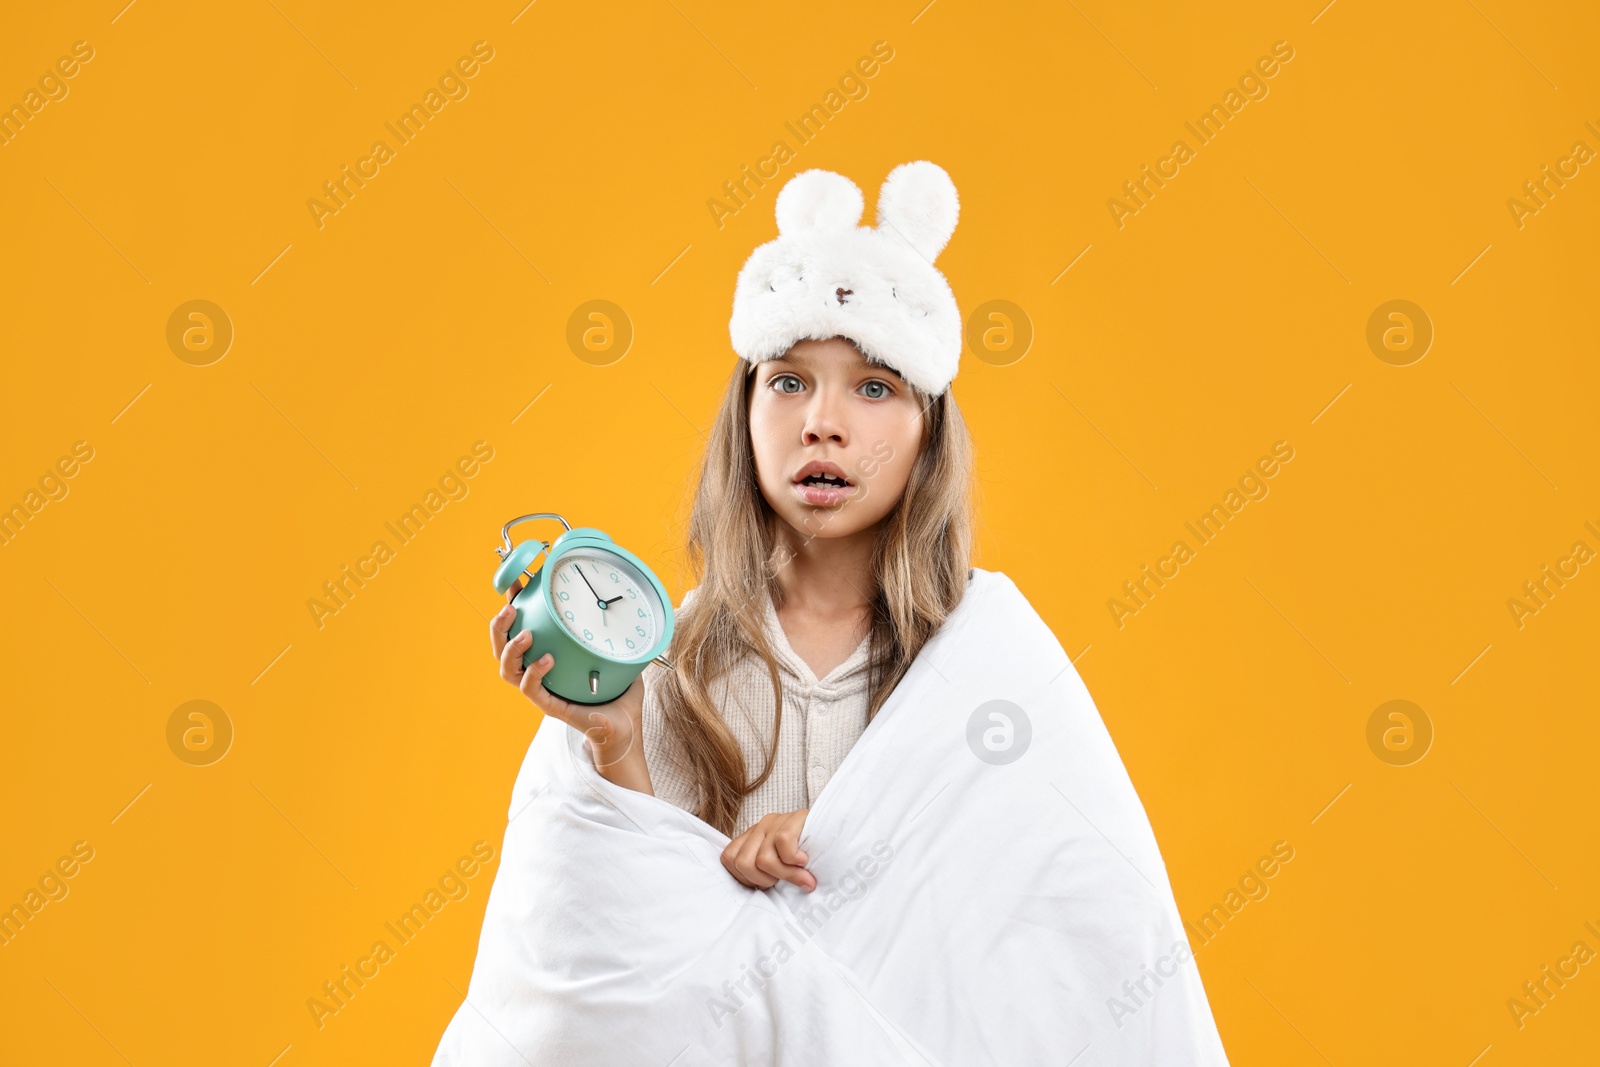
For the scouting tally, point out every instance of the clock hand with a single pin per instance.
(585, 578)
(604, 603)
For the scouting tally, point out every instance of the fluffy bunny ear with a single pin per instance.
(918, 202)
(818, 201)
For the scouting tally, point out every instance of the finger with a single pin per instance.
(728, 864)
(750, 859)
(511, 657)
(739, 861)
(751, 877)
(499, 628)
(787, 843)
(768, 863)
(516, 587)
(533, 676)
(740, 877)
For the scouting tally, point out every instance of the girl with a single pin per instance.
(832, 526)
(831, 531)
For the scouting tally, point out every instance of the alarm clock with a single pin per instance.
(593, 605)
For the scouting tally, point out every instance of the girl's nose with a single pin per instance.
(823, 422)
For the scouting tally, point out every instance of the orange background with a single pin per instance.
(371, 353)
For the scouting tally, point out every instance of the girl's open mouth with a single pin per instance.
(823, 489)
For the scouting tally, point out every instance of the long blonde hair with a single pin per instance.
(920, 563)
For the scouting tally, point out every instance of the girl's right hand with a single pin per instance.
(615, 729)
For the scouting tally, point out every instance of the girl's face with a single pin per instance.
(823, 405)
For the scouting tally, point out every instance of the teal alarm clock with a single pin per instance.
(593, 605)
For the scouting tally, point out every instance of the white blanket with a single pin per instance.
(973, 906)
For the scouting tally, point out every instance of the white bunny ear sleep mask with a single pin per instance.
(826, 276)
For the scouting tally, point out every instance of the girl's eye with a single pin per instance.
(780, 383)
(882, 387)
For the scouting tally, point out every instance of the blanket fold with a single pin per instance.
(989, 891)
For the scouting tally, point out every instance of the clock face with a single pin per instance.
(605, 603)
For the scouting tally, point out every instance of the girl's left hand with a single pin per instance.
(769, 851)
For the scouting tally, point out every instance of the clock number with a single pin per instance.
(642, 614)
(587, 636)
(613, 647)
(634, 593)
(614, 577)
(563, 594)
(568, 614)
(639, 630)
(629, 640)
(566, 577)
